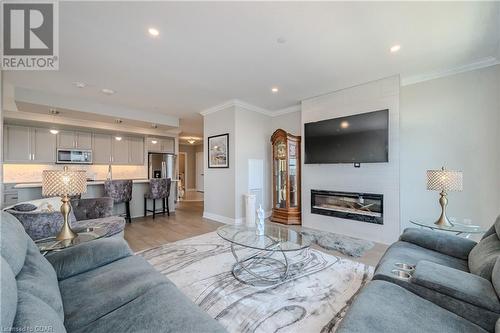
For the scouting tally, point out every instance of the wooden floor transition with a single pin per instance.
(145, 233)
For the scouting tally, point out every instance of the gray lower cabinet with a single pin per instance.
(43, 146)
(102, 149)
(28, 145)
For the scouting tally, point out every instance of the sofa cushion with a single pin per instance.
(33, 313)
(92, 208)
(14, 242)
(8, 295)
(39, 279)
(483, 256)
(160, 309)
(95, 293)
(495, 277)
(24, 207)
(385, 307)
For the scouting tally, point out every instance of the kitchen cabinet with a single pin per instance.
(43, 146)
(74, 140)
(163, 145)
(136, 150)
(102, 149)
(120, 151)
(28, 145)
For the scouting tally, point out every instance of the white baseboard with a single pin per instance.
(219, 218)
(229, 220)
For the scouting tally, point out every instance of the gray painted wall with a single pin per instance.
(219, 184)
(452, 121)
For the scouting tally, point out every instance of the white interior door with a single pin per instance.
(199, 171)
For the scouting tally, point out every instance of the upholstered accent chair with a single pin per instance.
(455, 286)
(159, 189)
(86, 213)
(121, 192)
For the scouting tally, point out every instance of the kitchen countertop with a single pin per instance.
(89, 183)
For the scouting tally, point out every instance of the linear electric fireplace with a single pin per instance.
(366, 207)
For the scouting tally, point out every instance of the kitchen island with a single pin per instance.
(95, 189)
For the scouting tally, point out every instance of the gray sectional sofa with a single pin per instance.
(94, 287)
(455, 286)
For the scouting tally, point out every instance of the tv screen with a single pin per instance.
(361, 138)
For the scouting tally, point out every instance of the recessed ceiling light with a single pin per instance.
(118, 138)
(107, 91)
(153, 32)
(53, 112)
(154, 142)
(274, 90)
(344, 124)
(395, 48)
(80, 84)
(54, 131)
(154, 126)
(118, 121)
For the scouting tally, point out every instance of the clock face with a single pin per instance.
(281, 150)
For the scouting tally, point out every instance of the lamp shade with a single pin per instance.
(444, 180)
(64, 182)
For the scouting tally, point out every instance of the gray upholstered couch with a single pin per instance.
(455, 286)
(94, 287)
(42, 222)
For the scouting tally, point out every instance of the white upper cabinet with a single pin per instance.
(120, 151)
(28, 145)
(163, 145)
(102, 149)
(74, 140)
(43, 147)
(136, 150)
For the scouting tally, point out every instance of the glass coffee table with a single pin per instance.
(46, 245)
(262, 259)
(465, 230)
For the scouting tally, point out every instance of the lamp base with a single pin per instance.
(443, 219)
(66, 233)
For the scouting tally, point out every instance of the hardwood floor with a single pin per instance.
(187, 221)
(145, 233)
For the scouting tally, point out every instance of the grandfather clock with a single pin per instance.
(286, 178)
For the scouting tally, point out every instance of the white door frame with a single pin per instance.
(202, 170)
(185, 169)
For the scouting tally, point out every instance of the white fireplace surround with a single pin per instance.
(380, 178)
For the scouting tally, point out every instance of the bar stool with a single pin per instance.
(120, 191)
(159, 188)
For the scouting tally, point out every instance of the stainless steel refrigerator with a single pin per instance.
(161, 165)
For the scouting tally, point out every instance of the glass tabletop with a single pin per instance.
(456, 227)
(275, 238)
(84, 235)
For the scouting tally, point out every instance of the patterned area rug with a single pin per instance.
(314, 298)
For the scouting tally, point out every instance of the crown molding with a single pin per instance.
(483, 63)
(250, 107)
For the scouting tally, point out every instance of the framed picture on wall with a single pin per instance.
(218, 151)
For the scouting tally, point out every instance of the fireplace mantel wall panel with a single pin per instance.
(380, 178)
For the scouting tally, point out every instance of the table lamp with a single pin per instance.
(444, 181)
(64, 183)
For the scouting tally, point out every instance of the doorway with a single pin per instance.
(199, 172)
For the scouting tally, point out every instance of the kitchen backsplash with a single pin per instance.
(32, 173)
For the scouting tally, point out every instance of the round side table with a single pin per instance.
(85, 235)
(458, 228)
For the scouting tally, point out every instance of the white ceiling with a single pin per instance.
(208, 53)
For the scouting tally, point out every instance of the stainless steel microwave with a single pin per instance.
(74, 156)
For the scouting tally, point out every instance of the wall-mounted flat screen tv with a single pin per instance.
(361, 138)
